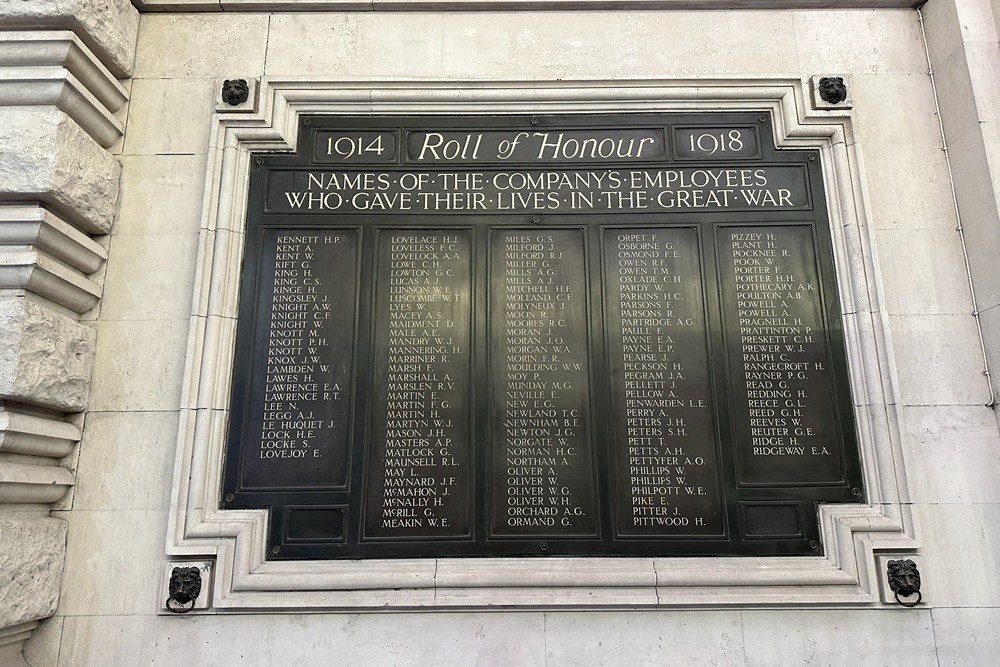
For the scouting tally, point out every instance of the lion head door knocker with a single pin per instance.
(832, 89)
(185, 586)
(235, 92)
(904, 580)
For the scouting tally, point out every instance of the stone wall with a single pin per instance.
(61, 116)
(118, 513)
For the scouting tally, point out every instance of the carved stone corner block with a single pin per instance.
(831, 91)
(46, 357)
(898, 574)
(31, 562)
(48, 157)
(109, 27)
(236, 95)
(186, 586)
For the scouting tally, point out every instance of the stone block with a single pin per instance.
(909, 189)
(33, 435)
(32, 550)
(42, 648)
(944, 444)
(938, 360)
(941, 26)
(35, 226)
(646, 638)
(45, 357)
(982, 242)
(914, 125)
(24, 483)
(859, 42)
(148, 181)
(971, 170)
(968, 636)
(145, 265)
(923, 272)
(855, 637)
(206, 46)
(48, 157)
(122, 461)
(140, 365)
(170, 116)
(955, 96)
(109, 27)
(29, 270)
(960, 553)
(127, 576)
(522, 45)
(62, 49)
(304, 640)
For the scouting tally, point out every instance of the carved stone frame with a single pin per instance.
(854, 535)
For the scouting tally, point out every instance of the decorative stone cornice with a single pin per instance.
(504, 5)
(42, 255)
(32, 435)
(55, 68)
(109, 27)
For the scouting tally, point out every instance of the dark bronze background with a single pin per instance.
(659, 437)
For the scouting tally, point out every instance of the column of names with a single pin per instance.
(542, 474)
(420, 463)
(665, 452)
(786, 424)
(307, 346)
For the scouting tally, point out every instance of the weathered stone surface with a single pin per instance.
(32, 550)
(47, 156)
(45, 357)
(109, 27)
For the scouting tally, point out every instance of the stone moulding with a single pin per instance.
(55, 68)
(853, 535)
(504, 5)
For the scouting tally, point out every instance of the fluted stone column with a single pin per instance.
(61, 116)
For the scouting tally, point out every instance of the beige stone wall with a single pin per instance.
(118, 512)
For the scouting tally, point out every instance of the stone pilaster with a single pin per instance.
(61, 110)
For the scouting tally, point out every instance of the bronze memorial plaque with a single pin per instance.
(552, 335)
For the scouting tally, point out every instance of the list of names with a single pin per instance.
(785, 422)
(303, 398)
(543, 477)
(665, 445)
(418, 482)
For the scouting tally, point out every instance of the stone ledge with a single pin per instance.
(55, 86)
(61, 48)
(25, 268)
(33, 435)
(53, 68)
(31, 563)
(34, 226)
(109, 27)
(48, 157)
(45, 357)
(33, 484)
(505, 5)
